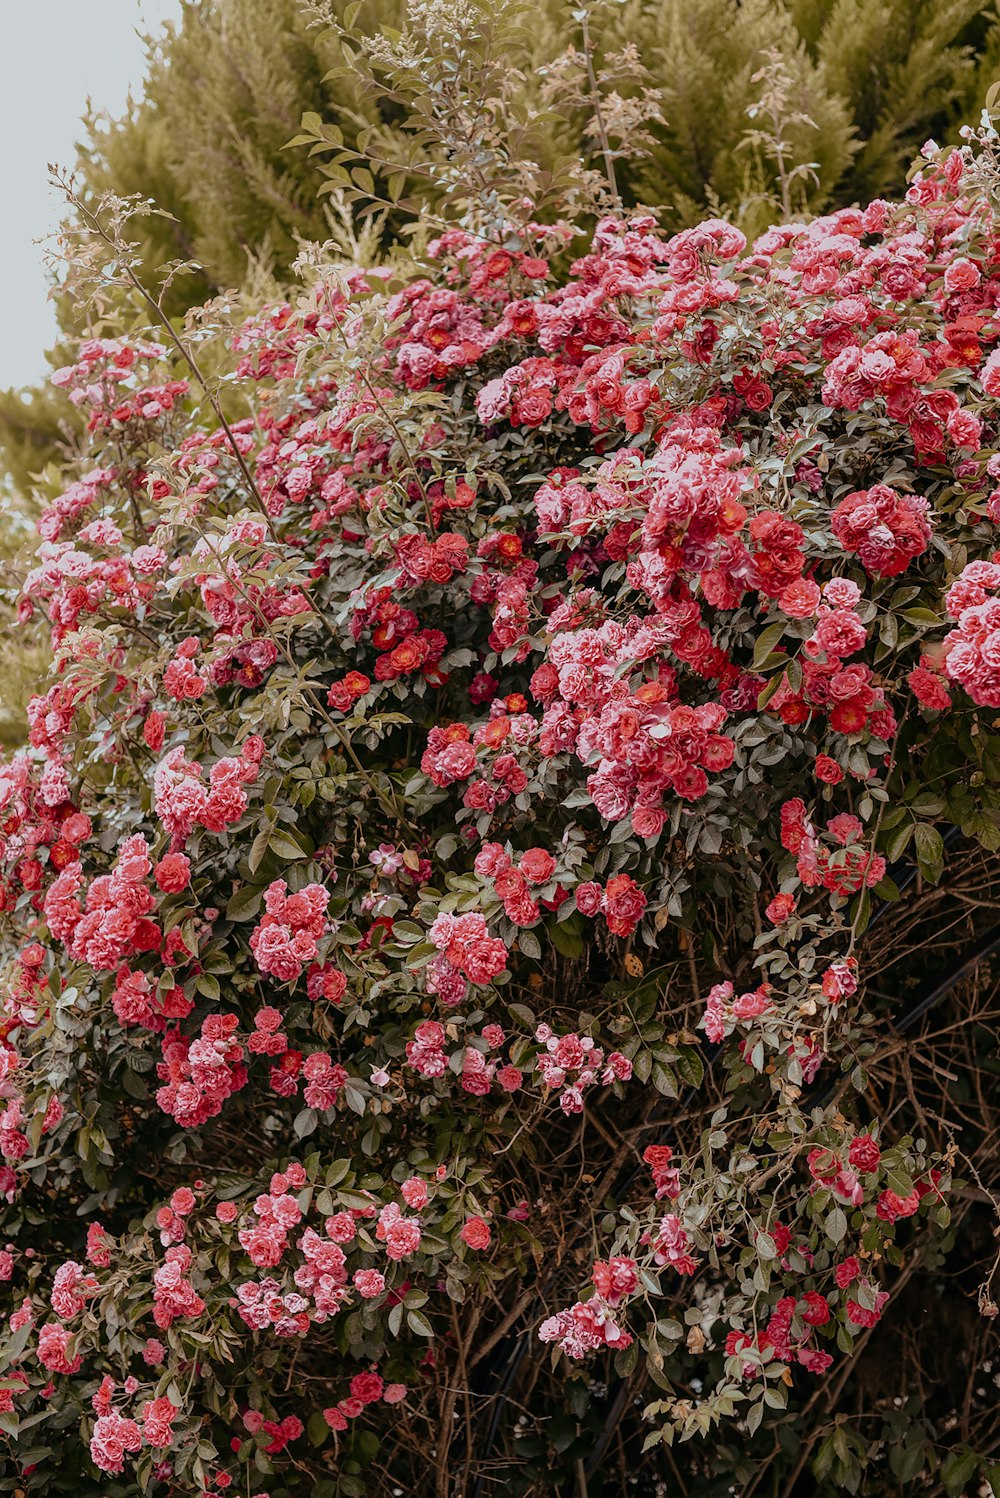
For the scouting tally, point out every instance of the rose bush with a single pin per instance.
(521, 670)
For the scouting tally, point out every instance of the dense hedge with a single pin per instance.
(483, 714)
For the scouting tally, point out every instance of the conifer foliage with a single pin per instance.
(232, 81)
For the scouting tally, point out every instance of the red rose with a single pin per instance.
(780, 908)
(758, 396)
(828, 770)
(864, 1153)
(624, 903)
(818, 1313)
(537, 866)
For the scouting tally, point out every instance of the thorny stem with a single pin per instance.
(383, 408)
(387, 805)
(878, 823)
(595, 95)
(466, 1401)
(115, 244)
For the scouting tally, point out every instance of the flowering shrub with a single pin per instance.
(544, 671)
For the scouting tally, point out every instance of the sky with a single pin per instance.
(54, 55)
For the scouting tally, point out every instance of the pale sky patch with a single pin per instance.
(54, 55)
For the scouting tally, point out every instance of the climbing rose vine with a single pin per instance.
(486, 745)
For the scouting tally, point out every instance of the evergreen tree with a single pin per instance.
(227, 88)
(230, 83)
(906, 71)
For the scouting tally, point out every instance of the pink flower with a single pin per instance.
(864, 1316)
(800, 599)
(840, 633)
(929, 690)
(414, 1193)
(616, 1280)
(510, 1078)
(288, 934)
(113, 1439)
(961, 275)
(624, 903)
(183, 1201)
(369, 1283)
(401, 1235)
(368, 1388)
(827, 770)
(989, 375)
(537, 866)
(172, 873)
(886, 529)
(157, 1416)
(476, 1232)
(584, 1328)
(847, 1272)
(53, 1349)
(588, 898)
(470, 949)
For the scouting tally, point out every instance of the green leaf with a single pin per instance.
(922, 618)
(317, 1429)
(258, 850)
(417, 1322)
(888, 630)
(836, 1225)
(567, 941)
(982, 827)
(133, 1084)
(663, 1080)
(529, 944)
(281, 844)
(907, 1461)
(766, 641)
(365, 1446)
(355, 1099)
(691, 1066)
(957, 1470)
(896, 843)
(930, 851)
(765, 695)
